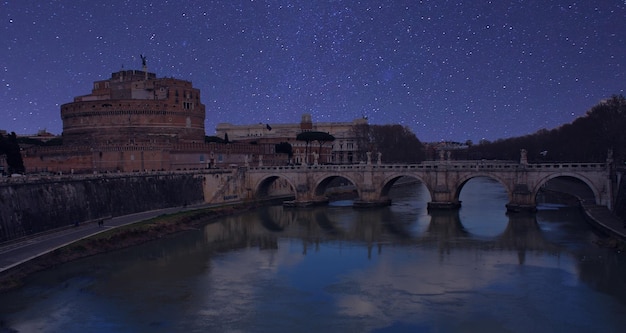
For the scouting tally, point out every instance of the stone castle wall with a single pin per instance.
(131, 121)
(30, 207)
(147, 157)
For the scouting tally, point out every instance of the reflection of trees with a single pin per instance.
(604, 272)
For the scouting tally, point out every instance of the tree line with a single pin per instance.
(396, 143)
(10, 147)
(587, 139)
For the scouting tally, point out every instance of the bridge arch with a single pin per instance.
(458, 187)
(590, 185)
(389, 181)
(322, 184)
(264, 185)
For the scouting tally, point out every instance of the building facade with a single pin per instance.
(344, 150)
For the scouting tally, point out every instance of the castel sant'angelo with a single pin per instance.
(135, 121)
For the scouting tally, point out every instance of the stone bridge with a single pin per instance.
(443, 179)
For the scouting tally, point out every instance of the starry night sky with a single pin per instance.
(449, 70)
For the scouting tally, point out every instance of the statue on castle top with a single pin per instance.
(143, 60)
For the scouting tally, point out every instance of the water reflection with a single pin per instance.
(380, 226)
(338, 269)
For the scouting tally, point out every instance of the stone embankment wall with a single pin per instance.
(29, 206)
(620, 201)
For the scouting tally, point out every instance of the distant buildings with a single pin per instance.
(341, 151)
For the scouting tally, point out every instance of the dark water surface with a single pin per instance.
(337, 269)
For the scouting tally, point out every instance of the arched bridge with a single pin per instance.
(443, 179)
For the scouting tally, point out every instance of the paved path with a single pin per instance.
(14, 253)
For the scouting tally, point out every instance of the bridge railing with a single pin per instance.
(437, 165)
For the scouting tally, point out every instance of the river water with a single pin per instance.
(338, 269)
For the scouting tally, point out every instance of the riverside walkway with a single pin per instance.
(603, 219)
(14, 253)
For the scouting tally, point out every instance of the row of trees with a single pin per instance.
(586, 139)
(396, 143)
(9, 146)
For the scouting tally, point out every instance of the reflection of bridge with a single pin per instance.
(443, 179)
(376, 229)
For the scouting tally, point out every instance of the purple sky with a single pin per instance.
(449, 70)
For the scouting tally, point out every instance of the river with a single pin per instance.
(339, 269)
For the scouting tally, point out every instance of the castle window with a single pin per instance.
(96, 86)
(187, 105)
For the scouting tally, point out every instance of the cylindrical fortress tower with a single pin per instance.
(135, 107)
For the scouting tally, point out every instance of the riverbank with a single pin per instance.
(599, 217)
(118, 238)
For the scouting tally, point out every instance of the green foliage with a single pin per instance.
(315, 136)
(54, 142)
(396, 143)
(284, 148)
(320, 137)
(586, 139)
(36, 142)
(10, 147)
(30, 141)
(216, 139)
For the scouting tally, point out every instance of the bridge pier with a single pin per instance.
(304, 203)
(522, 200)
(517, 208)
(371, 203)
(305, 198)
(443, 199)
(443, 205)
(370, 197)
